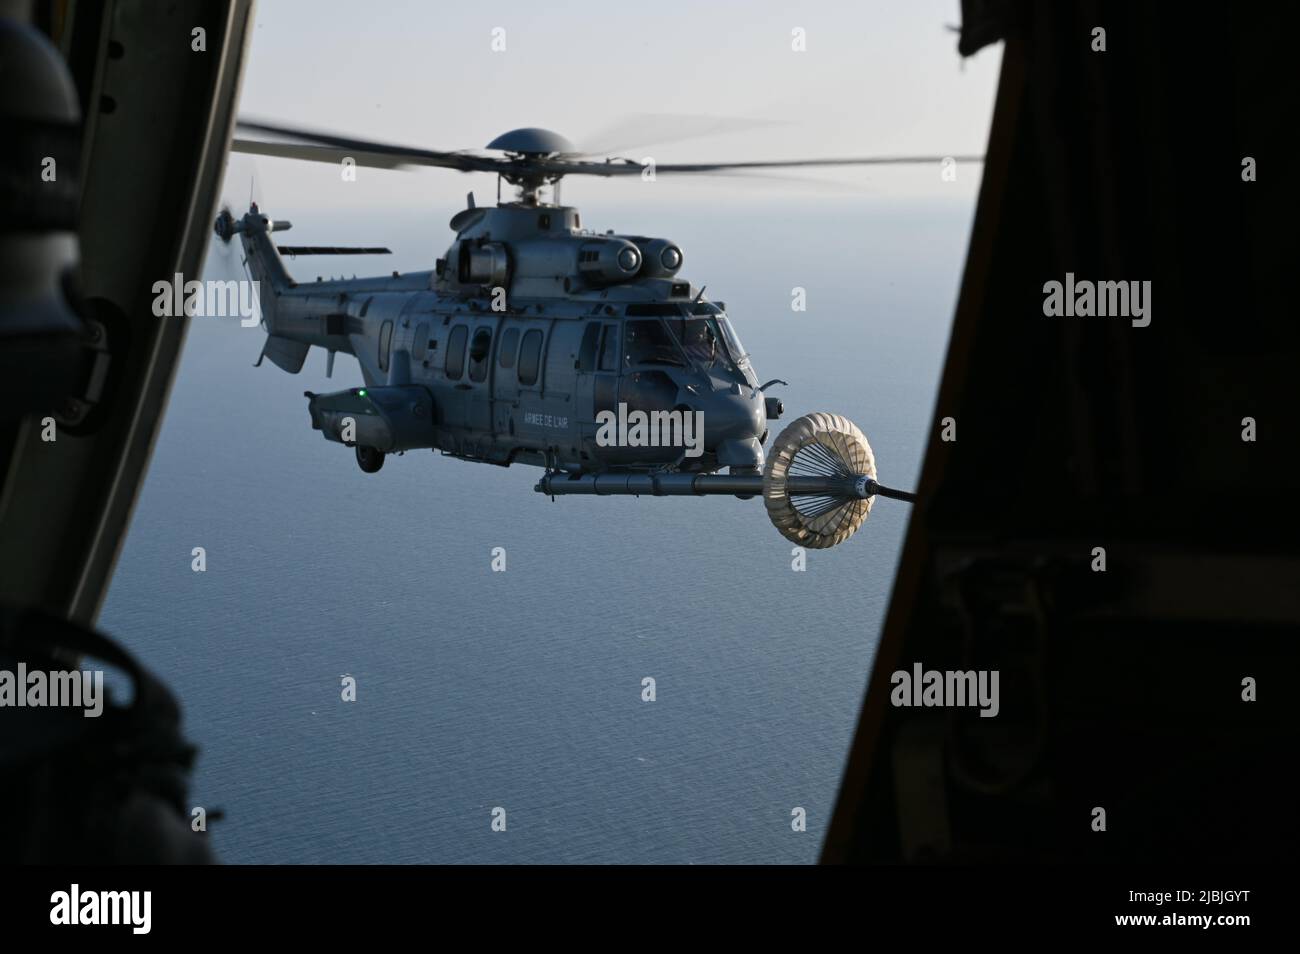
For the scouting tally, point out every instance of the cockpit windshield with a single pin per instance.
(707, 336)
(732, 340)
(697, 335)
(702, 340)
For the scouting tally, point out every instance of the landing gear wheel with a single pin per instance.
(369, 459)
(817, 445)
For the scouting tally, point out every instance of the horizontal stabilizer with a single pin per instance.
(331, 250)
(285, 353)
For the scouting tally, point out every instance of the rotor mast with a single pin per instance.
(525, 148)
(528, 185)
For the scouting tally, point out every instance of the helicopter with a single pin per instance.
(536, 341)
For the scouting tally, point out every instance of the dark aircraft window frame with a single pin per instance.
(507, 348)
(609, 353)
(385, 342)
(530, 358)
(478, 369)
(454, 366)
(590, 348)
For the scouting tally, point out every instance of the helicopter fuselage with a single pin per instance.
(532, 341)
(536, 341)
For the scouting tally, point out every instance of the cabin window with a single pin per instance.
(385, 342)
(421, 339)
(455, 365)
(609, 349)
(530, 357)
(507, 348)
(480, 354)
(587, 353)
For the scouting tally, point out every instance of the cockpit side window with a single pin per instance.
(647, 342)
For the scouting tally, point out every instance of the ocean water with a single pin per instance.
(522, 689)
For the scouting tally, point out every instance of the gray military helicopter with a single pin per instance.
(536, 341)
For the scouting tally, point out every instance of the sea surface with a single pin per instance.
(522, 689)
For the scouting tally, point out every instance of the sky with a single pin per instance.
(874, 78)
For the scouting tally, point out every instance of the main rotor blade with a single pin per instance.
(626, 167)
(325, 147)
(657, 129)
(709, 168)
(331, 154)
